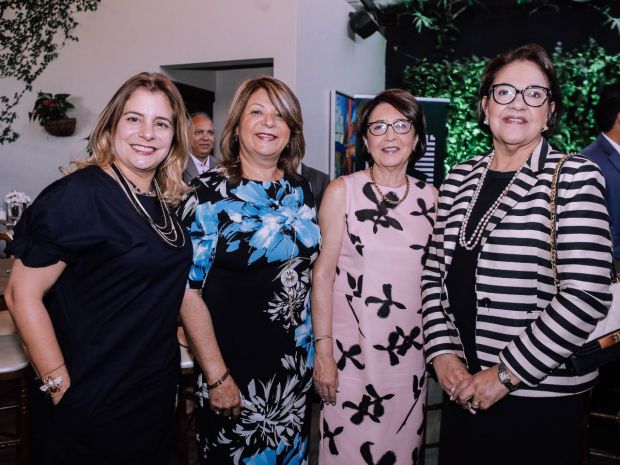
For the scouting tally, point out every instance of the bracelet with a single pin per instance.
(52, 371)
(51, 385)
(320, 338)
(220, 381)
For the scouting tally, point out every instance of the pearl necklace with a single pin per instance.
(171, 232)
(390, 202)
(476, 236)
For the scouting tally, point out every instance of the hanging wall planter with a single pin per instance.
(51, 112)
(60, 127)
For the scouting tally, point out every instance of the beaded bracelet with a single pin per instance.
(220, 381)
(320, 338)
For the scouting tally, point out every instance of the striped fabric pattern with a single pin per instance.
(520, 319)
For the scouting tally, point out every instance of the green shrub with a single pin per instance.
(582, 73)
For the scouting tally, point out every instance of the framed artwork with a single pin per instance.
(342, 156)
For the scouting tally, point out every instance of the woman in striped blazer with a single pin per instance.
(496, 332)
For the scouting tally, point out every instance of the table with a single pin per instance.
(5, 268)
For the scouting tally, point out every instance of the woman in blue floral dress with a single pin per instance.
(255, 237)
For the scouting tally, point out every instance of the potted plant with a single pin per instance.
(51, 112)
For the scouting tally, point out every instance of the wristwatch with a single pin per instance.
(504, 377)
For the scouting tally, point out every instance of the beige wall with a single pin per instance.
(303, 37)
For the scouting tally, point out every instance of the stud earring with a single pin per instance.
(486, 121)
(544, 129)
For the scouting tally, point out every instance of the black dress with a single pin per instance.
(245, 238)
(114, 311)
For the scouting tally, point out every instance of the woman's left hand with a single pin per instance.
(480, 391)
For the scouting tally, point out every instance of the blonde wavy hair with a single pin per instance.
(285, 101)
(169, 174)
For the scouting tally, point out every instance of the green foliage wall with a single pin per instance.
(582, 74)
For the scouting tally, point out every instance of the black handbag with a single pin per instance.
(603, 344)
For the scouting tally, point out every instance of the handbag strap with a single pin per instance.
(553, 194)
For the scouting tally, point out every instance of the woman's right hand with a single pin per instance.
(326, 377)
(451, 371)
(226, 399)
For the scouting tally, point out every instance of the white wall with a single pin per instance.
(329, 59)
(305, 38)
(125, 37)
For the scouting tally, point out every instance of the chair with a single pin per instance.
(13, 368)
(604, 418)
(186, 394)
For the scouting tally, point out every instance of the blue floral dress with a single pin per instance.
(254, 245)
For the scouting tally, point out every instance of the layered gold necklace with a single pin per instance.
(171, 231)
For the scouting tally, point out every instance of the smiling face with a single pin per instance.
(517, 124)
(143, 134)
(262, 132)
(391, 150)
(202, 137)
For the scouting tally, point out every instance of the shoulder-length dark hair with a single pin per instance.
(169, 173)
(406, 104)
(285, 101)
(533, 53)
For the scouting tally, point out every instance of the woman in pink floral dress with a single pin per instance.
(366, 301)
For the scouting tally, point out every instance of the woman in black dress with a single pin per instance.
(97, 284)
(255, 237)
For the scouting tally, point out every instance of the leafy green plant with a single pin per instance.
(441, 16)
(48, 107)
(32, 32)
(582, 74)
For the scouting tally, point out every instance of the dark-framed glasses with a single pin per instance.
(533, 96)
(379, 128)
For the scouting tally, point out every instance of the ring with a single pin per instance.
(475, 405)
(452, 389)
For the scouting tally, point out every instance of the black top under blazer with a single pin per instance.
(520, 319)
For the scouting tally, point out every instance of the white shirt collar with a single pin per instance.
(613, 144)
(200, 166)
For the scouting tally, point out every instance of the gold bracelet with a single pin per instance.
(52, 371)
(220, 381)
(320, 338)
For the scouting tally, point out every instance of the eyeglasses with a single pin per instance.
(533, 96)
(379, 128)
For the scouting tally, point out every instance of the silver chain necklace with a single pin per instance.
(171, 231)
(471, 243)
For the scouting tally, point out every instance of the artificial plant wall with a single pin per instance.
(582, 73)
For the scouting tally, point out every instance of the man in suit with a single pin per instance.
(202, 141)
(605, 152)
(318, 183)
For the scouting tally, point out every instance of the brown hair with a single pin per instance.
(283, 98)
(533, 53)
(169, 173)
(406, 104)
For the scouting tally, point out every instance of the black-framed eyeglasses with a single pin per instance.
(379, 128)
(533, 96)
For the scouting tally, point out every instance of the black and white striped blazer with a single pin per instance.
(520, 319)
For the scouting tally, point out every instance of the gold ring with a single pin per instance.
(452, 389)
(475, 405)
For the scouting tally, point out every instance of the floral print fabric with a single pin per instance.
(245, 238)
(377, 329)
